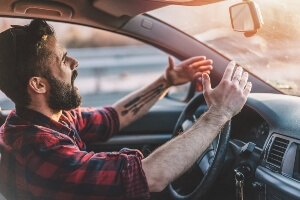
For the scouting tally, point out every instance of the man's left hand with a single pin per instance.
(187, 70)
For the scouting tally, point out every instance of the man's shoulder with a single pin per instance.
(31, 132)
(86, 112)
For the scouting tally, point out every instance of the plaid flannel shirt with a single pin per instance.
(45, 159)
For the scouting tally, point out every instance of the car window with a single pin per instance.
(272, 54)
(110, 65)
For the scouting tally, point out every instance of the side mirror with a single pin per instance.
(246, 17)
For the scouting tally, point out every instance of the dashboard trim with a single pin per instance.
(287, 185)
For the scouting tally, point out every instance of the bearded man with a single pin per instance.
(43, 141)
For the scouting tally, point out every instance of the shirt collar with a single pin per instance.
(37, 118)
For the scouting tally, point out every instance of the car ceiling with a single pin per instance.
(106, 14)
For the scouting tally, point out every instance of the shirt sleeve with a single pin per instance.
(94, 124)
(134, 179)
(65, 172)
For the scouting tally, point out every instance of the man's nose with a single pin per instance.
(74, 63)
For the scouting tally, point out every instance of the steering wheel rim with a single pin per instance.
(214, 168)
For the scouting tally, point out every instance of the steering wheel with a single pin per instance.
(208, 165)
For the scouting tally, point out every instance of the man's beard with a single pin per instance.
(63, 96)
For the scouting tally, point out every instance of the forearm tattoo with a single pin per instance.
(137, 103)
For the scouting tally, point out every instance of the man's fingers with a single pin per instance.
(247, 89)
(195, 60)
(206, 83)
(244, 80)
(237, 75)
(199, 74)
(201, 63)
(203, 68)
(229, 70)
(171, 63)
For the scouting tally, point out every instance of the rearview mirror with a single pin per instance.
(245, 17)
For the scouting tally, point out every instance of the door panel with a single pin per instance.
(147, 133)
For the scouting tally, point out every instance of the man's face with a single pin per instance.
(63, 94)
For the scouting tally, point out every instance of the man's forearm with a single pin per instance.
(136, 104)
(173, 158)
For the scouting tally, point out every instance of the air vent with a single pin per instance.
(277, 151)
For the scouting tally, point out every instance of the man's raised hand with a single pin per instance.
(230, 95)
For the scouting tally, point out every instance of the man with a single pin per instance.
(43, 140)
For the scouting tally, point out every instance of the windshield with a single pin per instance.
(272, 54)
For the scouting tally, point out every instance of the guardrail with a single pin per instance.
(111, 60)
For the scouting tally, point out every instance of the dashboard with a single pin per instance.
(249, 126)
(272, 123)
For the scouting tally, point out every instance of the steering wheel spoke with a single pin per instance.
(206, 159)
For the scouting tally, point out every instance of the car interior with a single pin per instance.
(259, 148)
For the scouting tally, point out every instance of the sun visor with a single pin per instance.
(132, 8)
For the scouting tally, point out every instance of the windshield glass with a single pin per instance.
(272, 54)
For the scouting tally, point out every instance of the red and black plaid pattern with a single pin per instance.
(45, 159)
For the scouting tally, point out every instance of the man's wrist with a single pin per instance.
(217, 115)
(164, 79)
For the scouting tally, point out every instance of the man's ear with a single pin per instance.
(38, 84)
